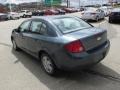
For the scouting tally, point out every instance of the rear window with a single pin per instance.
(22, 11)
(67, 25)
(27, 11)
(115, 13)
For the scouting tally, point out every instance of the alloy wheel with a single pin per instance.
(97, 19)
(47, 64)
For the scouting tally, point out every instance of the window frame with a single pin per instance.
(23, 24)
(40, 27)
(31, 26)
(46, 30)
(66, 32)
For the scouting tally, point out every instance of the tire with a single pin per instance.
(30, 16)
(97, 19)
(11, 18)
(24, 16)
(18, 18)
(15, 47)
(110, 21)
(48, 65)
(103, 19)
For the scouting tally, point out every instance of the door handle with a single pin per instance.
(35, 39)
(22, 36)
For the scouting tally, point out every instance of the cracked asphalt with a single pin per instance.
(20, 71)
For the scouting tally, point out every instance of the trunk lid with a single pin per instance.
(90, 38)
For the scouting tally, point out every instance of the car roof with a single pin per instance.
(91, 9)
(48, 18)
(103, 7)
(116, 10)
(3, 14)
(24, 10)
(13, 12)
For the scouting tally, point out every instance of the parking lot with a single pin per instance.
(20, 71)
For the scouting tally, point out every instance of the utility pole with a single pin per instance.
(51, 3)
(79, 4)
(38, 4)
(10, 6)
(42, 4)
(67, 3)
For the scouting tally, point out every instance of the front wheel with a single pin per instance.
(15, 47)
(10, 18)
(48, 65)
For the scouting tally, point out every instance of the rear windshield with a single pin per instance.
(67, 25)
(115, 13)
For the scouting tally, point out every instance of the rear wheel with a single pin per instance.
(11, 18)
(30, 16)
(97, 19)
(48, 65)
(18, 17)
(24, 16)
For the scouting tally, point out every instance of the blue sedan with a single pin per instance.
(61, 42)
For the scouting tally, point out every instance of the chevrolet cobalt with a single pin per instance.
(61, 42)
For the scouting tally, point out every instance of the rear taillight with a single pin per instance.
(75, 47)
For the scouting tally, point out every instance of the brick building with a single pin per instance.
(3, 9)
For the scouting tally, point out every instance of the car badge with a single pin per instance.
(99, 38)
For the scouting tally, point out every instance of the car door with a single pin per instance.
(33, 37)
(101, 13)
(98, 13)
(23, 29)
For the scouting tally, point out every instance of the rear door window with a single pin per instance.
(43, 29)
(24, 27)
(39, 27)
(36, 26)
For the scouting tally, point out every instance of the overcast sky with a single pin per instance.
(17, 1)
(73, 2)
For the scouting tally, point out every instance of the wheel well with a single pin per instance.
(97, 16)
(11, 38)
(41, 52)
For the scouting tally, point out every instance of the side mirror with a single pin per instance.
(17, 30)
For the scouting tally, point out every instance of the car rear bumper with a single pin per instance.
(66, 61)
